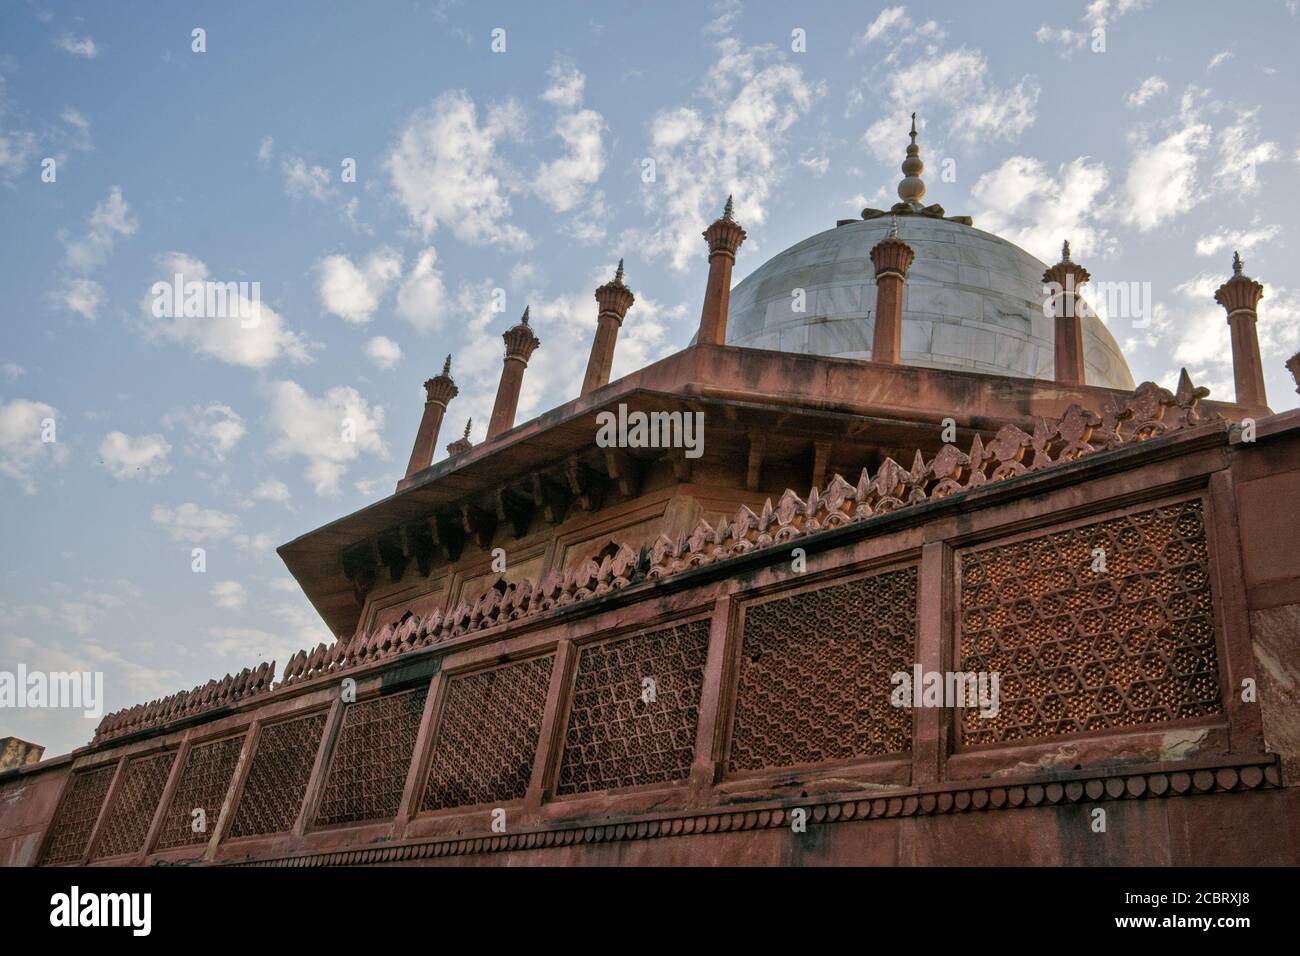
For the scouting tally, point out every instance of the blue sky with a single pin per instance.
(520, 171)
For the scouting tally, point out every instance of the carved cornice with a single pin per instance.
(1079, 788)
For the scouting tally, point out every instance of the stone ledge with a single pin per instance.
(1219, 777)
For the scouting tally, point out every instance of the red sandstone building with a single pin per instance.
(690, 660)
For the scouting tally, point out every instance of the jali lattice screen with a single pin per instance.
(1110, 624)
(372, 758)
(487, 738)
(277, 779)
(623, 732)
(815, 668)
(77, 814)
(202, 786)
(134, 805)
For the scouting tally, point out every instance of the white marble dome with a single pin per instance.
(973, 302)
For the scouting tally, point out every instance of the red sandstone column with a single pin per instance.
(438, 392)
(1068, 306)
(520, 345)
(1239, 296)
(724, 237)
(892, 257)
(614, 299)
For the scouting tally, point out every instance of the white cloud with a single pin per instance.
(1097, 18)
(247, 644)
(422, 299)
(1218, 59)
(1241, 153)
(446, 170)
(17, 145)
(12, 371)
(955, 82)
(736, 142)
(265, 149)
(814, 163)
(127, 457)
(1024, 203)
(562, 184)
(83, 47)
(83, 296)
(22, 453)
(889, 19)
(383, 351)
(273, 490)
(251, 343)
(78, 133)
(306, 627)
(110, 220)
(261, 544)
(726, 13)
(215, 427)
(1163, 183)
(1166, 178)
(330, 431)
(194, 525)
(1242, 240)
(229, 595)
(1151, 87)
(353, 292)
(85, 614)
(567, 85)
(302, 180)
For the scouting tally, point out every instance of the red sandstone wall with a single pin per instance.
(539, 716)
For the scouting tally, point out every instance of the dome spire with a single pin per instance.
(912, 190)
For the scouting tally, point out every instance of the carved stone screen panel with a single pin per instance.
(487, 738)
(1109, 624)
(814, 674)
(371, 759)
(277, 779)
(134, 805)
(205, 778)
(623, 731)
(77, 814)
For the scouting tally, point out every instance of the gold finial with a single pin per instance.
(1236, 263)
(912, 190)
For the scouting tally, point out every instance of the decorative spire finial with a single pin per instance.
(893, 226)
(618, 274)
(468, 423)
(912, 190)
(1236, 263)
(728, 211)
(1065, 251)
(446, 366)
(524, 320)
